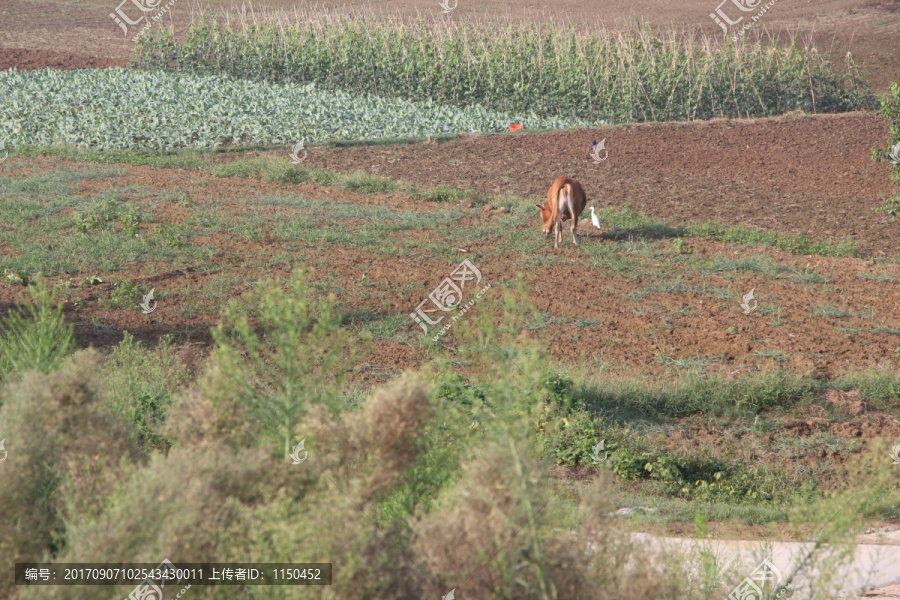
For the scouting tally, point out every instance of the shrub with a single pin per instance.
(104, 213)
(35, 336)
(890, 112)
(67, 452)
(209, 500)
(456, 389)
(700, 394)
(124, 294)
(698, 476)
(289, 361)
(140, 385)
(558, 387)
(368, 184)
(574, 440)
(277, 171)
(502, 532)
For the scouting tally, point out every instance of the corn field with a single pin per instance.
(553, 69)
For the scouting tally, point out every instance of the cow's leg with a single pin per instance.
(558, 237)
(562, 202)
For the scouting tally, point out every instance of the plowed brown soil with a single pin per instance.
(806, 175)
(660, 313)
(31, 58)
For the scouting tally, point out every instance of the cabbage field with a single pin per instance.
(124, 109)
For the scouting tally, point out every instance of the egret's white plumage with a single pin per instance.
(594, 219)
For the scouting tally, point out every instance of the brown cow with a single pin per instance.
(565, 199)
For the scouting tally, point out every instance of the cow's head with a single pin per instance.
(546, 216)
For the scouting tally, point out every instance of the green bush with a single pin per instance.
(35, 336)
(697, 476)
(292, 358)
(574, 442)
(452, 387)
(277, 171)
(124, 294)
(890, 112)
(880, 388)
(368, 184)
(168, 235)
(140, 384)
(281, 171)
(558, 387)
(460, 408)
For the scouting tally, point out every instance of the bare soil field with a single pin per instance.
(806, 175)
(645, 305)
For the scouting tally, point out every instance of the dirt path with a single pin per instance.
(873, 571)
